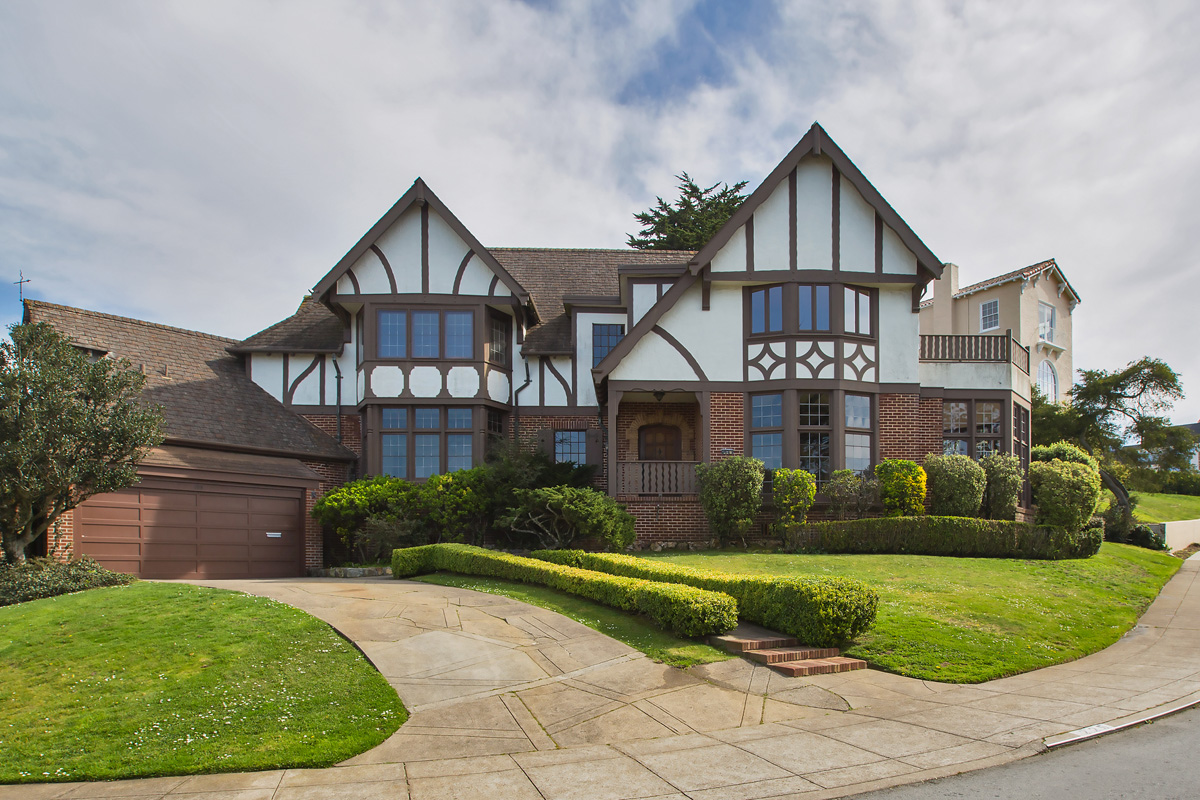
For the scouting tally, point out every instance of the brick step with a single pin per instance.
(777, 655)
(818, 666)
(746, 637)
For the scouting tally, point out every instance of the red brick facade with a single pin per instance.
(333, 474)
(727, 425)
(632, 416)
(351, 428)
(910, 426)
(529, 426)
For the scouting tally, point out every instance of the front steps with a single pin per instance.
(783, 653)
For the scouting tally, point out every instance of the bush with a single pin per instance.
(458, 506)
(560, 516)
(963, 537)
(793, 491)
(901, 486)
(686, 610)
(1119, 521)
(347, 508)
(1151, 537)
(956, 485)
(1065, 492)
(824, 612)
(1064, 451)
(851, 495)
(1002, 492)
(38, 578)
(731, 494)
(1182, 483)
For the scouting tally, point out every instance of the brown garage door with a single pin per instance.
(192, 529)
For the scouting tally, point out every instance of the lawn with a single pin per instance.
(1166, 507)
(968, 620)
(172, 679)
(635, 631)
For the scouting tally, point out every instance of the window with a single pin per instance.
(495, 422)
(858, 311)
(972, 428)
(394, 446)
(814, 308)
(814, 437)
(570, 446)
(498, 338)
(989, 315)
(955, 424)
(766, 424)
(987, 427)
(604, 339)
(1047, 381)
(858, 432)
(419, 442)
(766, 310)
(419, 334)
(814, 409)
(1046, 322)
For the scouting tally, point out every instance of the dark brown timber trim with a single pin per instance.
(750, 244)
(878, 244)
(291, 390)
(386, 267)
(462, 268)
(424, 248)
(836, 217)
(683, 351)
(792, 223)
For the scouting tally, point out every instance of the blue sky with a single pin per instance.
(203, 163)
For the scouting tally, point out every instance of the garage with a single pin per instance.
(200, 520)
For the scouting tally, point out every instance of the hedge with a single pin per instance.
(823, 612)
(949, 536)
(39, 578)
(686, 610)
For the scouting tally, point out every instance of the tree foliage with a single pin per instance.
(689, 222)
(731, 495)
(70, 428)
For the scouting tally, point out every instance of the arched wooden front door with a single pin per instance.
(659, 443)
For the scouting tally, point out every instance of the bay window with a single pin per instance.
(424, 334)
(972, 427)
(419, 442)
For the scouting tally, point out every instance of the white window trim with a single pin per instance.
(1052, 397)
(984, 305)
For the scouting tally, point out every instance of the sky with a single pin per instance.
(202, 164)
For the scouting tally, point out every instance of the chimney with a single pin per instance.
(943, 300)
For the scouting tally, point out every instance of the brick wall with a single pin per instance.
(531, 424)
(333, 474)
(909, 426)
(351, 428)
(60, 539)
(726, 420)
(632, 416)
(667, 519)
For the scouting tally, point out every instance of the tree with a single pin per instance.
(1107, 408)
(69, 428)
(693, 219)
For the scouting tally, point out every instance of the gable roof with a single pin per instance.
(206, 397)
(552, 274)
(418, 194)
(312, 329)
(817, 142)
(1023, 274)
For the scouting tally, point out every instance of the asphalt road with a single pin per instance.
(1160, 760)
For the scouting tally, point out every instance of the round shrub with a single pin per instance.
(956, 485)
(1065, 492)
(793, 491)
(901, 487)
(851, 495)
(1005, 478)
(1064, 451)
(731, 494)
(558, 516)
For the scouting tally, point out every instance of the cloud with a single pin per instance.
(202, 164)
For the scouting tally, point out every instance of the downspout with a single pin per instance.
(517, 400)
(337, 369)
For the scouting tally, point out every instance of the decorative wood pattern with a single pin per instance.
(656, 477)
(975, 347)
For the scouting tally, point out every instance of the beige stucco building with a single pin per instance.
(1035, 303)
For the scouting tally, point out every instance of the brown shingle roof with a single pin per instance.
(312, 329)
(550, 274)
(204, 391)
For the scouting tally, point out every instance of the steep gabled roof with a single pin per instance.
(1023, 274)
(418, 194)
(206, 396)
(817, 142)
(312, 329)
(552, 274)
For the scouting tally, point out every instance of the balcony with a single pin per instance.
(998, 348)
(656, 478)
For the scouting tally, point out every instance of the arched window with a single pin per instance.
(1047, 381)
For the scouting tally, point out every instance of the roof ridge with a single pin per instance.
(102, 315)
(1006, 276)
(588, 250)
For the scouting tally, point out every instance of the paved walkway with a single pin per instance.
(509, 701)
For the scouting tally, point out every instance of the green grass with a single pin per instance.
(637, 632)
(970, 620)
(172, 679)
(1165, 507)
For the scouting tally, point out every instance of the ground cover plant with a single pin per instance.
(972, 620)
(36, 578)
(171, 679)
(635, 631)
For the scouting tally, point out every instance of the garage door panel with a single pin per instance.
(219, 519)
(100, 532)
(273, 505)
(125, 550)
(223, 502)
(168, 534)
(158, 498)
(273, 522)
(182, 568)
(164, 551)
(167, 517)
(223, 535)
(124, 497)
(111, 513)
(223, 552)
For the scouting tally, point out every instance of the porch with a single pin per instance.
(656, 440)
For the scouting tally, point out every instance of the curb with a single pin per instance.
(1122, 723)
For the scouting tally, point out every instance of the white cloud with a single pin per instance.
(204, 163)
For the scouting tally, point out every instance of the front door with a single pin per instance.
(659, 443)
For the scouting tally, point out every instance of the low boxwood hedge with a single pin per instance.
(686, 610)
(947, 536)
(824, 612)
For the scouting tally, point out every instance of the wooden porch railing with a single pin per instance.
(975, 347)
(656, 477)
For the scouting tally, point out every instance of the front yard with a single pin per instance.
(172, 679)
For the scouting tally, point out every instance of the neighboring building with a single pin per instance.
(792, 336)
(1035, 303)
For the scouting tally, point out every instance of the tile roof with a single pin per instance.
(550, 274)
(1018, 274)
(204, 391)
(312, 329)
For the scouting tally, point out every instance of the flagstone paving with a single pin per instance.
(512, 701)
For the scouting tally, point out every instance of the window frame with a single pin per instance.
(409, 313)
(597, 356)
(1044, 327)
(768, 315)
(767, 430)
(983, 315)
(1051, 396)
(446, 435)
(859, 295)
(489, 353)
(848, 430)
(560, 434)
(972, 437)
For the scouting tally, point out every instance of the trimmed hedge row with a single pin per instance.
(948, 536)
(686, 610)
(824, 612)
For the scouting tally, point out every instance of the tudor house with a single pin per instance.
(793, 336)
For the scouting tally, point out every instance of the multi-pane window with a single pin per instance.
(604, 339)
(425, 334)
(1046, 322)
(972, 427)
(1047, 381)
(570, 446)
(814, 308)
(766, 310)
(766, 424)
(858, 432)
(498, 339)
(989, 315)
(419, 442)
(495, 422)
(394, 446)
(814, 439)
(955, 424)
(857, 308)
(458, 445)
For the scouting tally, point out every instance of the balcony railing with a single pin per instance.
(975, 347)
(656, 477)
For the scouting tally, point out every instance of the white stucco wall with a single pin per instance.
(654, 358)
(645, 295)
(899, 336)
(463, 381)
(266, 369)
(856, 232)
(401, 243)
(974, 375)
(387, 381)
(814, 213)
(446, 251)
(498, 386)
(732, 257)
(897, 259)
(713, 337)
(555, 394)
(583, 351)
(424, 381)
(477, 278)
(772, 231)
(308, 391)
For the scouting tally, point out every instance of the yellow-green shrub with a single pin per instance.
(901, 487)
